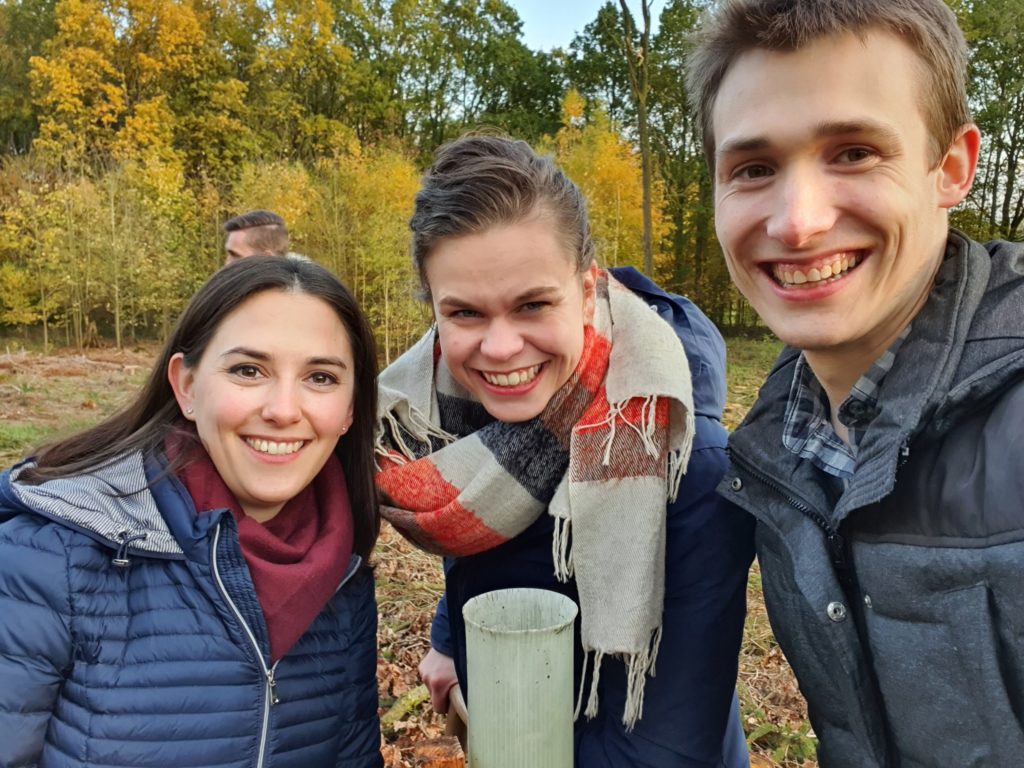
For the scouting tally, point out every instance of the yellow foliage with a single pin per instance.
(606, 167)
(283, 187)
(77, 88)
(360, 230)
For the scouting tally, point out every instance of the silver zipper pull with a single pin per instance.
(273, 687)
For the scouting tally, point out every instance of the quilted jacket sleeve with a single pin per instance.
(35, 636)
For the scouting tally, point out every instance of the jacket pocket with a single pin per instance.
(950, 673)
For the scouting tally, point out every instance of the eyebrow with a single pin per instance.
(822, 130)
(540, 292)
(263, 356)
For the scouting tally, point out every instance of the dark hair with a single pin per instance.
(265, 231)
(929, 27)
(154, 414)
(480, 181)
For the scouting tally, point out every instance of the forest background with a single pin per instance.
(131, 129)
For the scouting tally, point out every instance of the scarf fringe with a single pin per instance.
(561, 552)
(645, 430)
(639, 666)
(414, 424)
(679, 460)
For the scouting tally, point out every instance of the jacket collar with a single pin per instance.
(130, 504)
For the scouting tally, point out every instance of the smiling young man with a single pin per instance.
(882, 459)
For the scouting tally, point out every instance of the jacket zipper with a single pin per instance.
(270, 692)
(834, 539)
(846, 575)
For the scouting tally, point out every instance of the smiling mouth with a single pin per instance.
(273, 448)
(835, 269)
(512, 378)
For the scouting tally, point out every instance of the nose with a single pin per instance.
(283, 404)
(802, 209)
(501, 340)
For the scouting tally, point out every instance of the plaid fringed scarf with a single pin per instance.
(604, 459)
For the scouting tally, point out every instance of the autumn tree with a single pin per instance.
(25, 27)
(996, 204)
(77, 87)
(636, 49)
(607, 169)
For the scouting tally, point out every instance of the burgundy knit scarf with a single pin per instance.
(298, 558)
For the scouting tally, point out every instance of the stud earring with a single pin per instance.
(344, 430)
(189, 411)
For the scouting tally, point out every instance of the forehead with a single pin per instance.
(291, 319)
(238, 242)
(774, 97)
(488, 258)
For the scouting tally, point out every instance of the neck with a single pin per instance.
(261, 514)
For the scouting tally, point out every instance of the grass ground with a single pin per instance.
(43, 396)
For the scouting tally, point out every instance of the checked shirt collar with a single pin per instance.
(808, 430)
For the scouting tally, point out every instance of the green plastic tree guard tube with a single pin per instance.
(519, 665)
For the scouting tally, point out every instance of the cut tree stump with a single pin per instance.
(445, 752)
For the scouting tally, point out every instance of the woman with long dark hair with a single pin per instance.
(186, 583)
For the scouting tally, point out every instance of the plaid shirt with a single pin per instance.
(808, 430)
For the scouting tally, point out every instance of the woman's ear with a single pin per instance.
(182, 381)
(590, 292)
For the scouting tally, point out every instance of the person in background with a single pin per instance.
(255, 233)
(882, 459)
(551, 431)
(186, 582)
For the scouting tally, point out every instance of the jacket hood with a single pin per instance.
(705, 348)
(112, 504)
(991, 331)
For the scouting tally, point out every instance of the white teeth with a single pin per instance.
(274, 448)
(512, 379)
(841, 265)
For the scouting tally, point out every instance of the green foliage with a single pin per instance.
(996, 204)
(786, 743)
(24, 27)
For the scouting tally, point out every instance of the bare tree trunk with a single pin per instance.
(639, 79)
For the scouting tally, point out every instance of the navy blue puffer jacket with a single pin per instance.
(131, 635)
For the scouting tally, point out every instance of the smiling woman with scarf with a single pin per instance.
(184, 584)
(551, 431)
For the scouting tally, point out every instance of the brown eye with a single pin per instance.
(323, 379)
(246, 371)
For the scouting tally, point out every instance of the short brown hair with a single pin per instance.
(480, 181)
(265, 231)
(929, 27)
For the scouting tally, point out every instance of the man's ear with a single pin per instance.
(590, 292)
(956, 170)
(182, 382)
